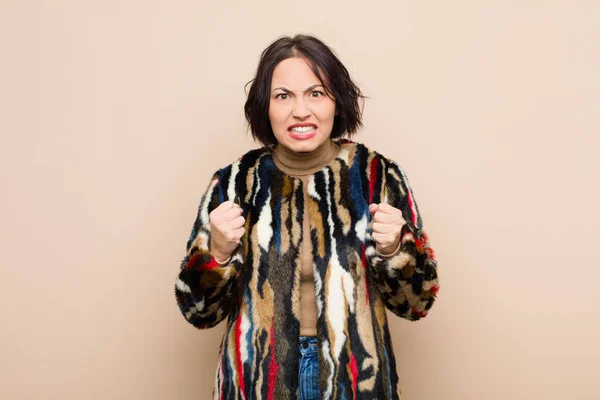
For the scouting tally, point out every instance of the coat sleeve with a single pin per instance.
(407, 280)
(204, 289)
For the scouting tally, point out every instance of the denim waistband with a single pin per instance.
(308, 344)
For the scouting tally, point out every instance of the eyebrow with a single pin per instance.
(307, 90)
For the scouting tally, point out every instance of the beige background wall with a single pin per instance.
(113, 115)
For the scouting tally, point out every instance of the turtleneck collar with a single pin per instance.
(301, 164)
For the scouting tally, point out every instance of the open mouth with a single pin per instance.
(303, 132)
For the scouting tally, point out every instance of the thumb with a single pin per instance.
(373, 208)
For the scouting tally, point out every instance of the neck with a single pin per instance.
(306, 163)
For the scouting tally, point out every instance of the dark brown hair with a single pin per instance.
(326, 66)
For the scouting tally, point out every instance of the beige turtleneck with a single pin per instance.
(303, 165)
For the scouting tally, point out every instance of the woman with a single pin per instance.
(303, 243)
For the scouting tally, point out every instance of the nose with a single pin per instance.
(301, 110)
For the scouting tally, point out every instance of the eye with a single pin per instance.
(281, 96)
(316, 93)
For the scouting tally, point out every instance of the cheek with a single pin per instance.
(276, 115)
(326, 111)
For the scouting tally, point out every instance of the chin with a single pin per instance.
(304, 147)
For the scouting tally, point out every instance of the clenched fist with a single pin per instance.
(387, 225)
(227, 228)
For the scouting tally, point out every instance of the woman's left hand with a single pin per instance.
(387, 225)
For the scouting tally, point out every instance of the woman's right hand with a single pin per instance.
(227, 228)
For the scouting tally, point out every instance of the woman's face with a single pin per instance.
(300, 111)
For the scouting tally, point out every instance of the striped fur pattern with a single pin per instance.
(258, 292)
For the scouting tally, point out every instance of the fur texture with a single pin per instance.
(258, 292)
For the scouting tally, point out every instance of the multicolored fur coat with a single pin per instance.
(258, 292)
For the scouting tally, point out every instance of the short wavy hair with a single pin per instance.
(326, 66)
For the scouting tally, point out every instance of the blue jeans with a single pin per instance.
(308, 387)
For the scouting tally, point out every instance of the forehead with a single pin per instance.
(294, 72)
